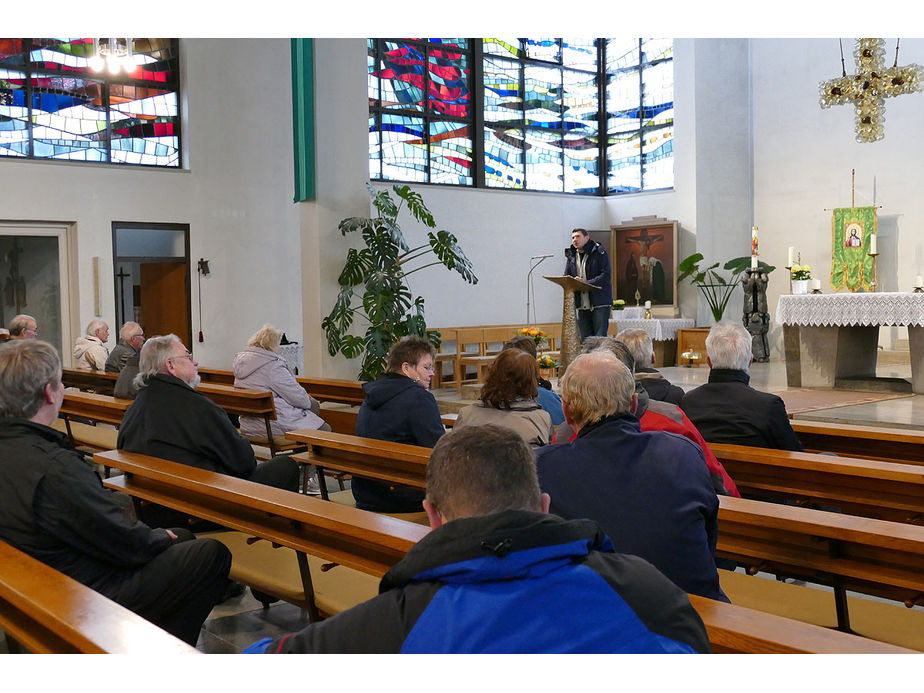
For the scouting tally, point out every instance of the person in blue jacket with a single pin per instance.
(587, 260)
(498, 574)
(398, 407)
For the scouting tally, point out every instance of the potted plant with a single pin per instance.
(537, 335)
(381, 268)
(801, 274)
(715, 287)
(618, 304)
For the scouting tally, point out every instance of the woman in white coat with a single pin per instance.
(260, 367)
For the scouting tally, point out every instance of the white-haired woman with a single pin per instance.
(260, 367)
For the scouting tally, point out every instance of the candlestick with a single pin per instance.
(792, 252)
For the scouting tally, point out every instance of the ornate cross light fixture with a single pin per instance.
(872, 83)
(114, 53)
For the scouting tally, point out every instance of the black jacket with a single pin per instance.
(54, 508)
(169, 419)
(597, 269)
(511, 582)
(657, 386)
(398, 410)
(728, 410)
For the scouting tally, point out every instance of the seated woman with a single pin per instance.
(508, 399)
(260, 367)
(399, 408)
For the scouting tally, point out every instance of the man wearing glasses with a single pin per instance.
(170, 420)
(23, 327)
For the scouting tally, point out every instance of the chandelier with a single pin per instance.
(872, 83)
(113, 53)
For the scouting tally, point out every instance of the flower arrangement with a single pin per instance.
(618, 304)
(546, 362)
(538, 336)
(801, 272)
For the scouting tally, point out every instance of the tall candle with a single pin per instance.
(648, 304)
(816, 284)
(792, 252)
(753, 240)
(753, 262)
(918, 282)
(872, 244)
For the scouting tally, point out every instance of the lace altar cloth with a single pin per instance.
(659, 329)
(848, 309)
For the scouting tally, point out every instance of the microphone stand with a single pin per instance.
(529, 285)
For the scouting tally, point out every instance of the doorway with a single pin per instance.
(34, 268)
(152, 280)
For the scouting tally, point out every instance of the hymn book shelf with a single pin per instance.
(348, 536)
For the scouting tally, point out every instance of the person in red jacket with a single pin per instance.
(656, 416)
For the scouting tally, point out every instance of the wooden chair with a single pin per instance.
(469, 343)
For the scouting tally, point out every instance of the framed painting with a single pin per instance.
(644, 257)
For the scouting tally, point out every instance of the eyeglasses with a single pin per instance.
(429, 369)
(187, 355)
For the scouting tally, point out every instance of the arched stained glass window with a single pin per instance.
(523, 113)
(53, 105)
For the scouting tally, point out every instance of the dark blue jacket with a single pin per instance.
(514, 582)
(597, 269)
(651, 492)
(398, 410)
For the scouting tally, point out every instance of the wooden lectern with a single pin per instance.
(570, 339)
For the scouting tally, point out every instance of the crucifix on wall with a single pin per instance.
(870, 85)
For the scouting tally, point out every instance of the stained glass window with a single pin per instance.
(574, 115)
(53, 105)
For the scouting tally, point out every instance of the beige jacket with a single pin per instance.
(525, 417)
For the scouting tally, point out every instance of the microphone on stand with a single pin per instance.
(529, 280)
(540, 257)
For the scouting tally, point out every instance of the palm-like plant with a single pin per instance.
(382, 268)
(716, 288)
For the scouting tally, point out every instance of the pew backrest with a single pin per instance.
(48, 612)
(870, 442)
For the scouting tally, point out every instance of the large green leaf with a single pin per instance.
(447, 250)
(415, 205)
(394, 232)
(358, 265)
(351, 224)
(352, 346)
(382, 247)
(383, 203)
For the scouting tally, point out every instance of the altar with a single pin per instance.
(663, 333)
(831, 340)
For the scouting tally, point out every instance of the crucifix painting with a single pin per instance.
(872, 83)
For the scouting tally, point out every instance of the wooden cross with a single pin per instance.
(870, 85)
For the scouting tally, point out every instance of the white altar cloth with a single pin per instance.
(845, 309)
(659, 329)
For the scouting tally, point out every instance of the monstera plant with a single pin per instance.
(373, 283)
(715, 287)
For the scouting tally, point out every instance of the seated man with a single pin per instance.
(54, 508)
(548, 400)
(23, 327)
(499, 575)
(90, 352)
(650, 491)
(727, 409)
(656, 385)
(169, 419)
(656, 416)
(131, 339)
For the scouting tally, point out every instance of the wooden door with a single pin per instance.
(165, 300)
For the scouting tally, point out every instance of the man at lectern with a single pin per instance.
(587, 260)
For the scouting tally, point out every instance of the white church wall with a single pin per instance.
(803, 157)
(236, 195)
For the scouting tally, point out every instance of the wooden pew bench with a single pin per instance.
(370, 544)
(47, 612)
(868, 488)
(101, 382)
(870, 442)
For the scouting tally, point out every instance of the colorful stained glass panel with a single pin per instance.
(622, 102)
(68, 120)
(506, 47)
(658, 94)
(448, 82)
(624, 163)
(503, 102)
(543, 92)
(503, 158)
(404, 151)
(14, 114)
(544, 161)
(375, 149)
(621, 53)
(657, 49)
(658, 159)
(373, 75)
(450, 153)
(402, 74)
(579, 54)
(548, 49)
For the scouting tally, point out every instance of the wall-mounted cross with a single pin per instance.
(870, 85)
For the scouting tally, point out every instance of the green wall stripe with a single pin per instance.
(303, 118)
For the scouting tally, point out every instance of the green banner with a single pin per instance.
(303, 118)
(851, 231)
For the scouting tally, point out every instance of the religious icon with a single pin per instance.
(853, 235)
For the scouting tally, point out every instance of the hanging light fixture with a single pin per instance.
(116, 54)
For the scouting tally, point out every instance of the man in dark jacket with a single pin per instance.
(54, 508)
(651, 491)
(656, 385)
(499, 575)
(131, 339)
(587, 260)
(169, 419)
(727, 409)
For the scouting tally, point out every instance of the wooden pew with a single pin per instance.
(870, 442)
(873, 557)
(869, 488)
(322, 389)
(47, 612)
(98, 381)
(371, 543)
